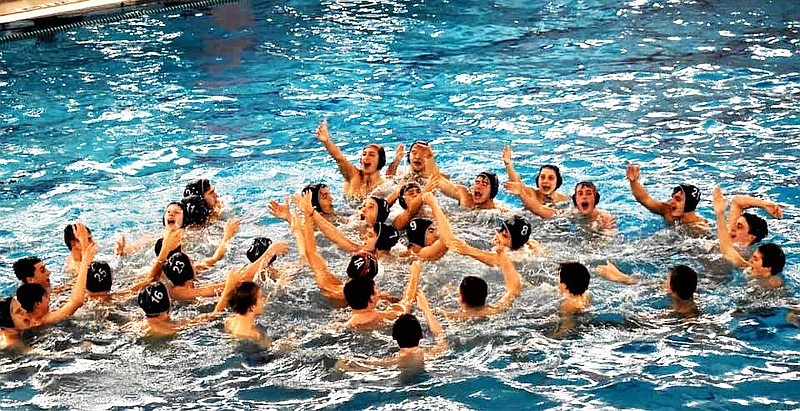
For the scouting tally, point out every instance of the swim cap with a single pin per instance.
(381, 154)
(416, 230)
(692, 195)
(387, 236)
(154, 299)
(160, 243)
(315, 189)
(362, 264)
(758, 226)
(555, 169)
(408, 186)
(197, 188)
(164, 214)
(383, 209)
(258, 248)
(421, 142)
(178, 269)
(519, 230)
(494, 183)
(590, 185)
(196, 210)
(98, 279)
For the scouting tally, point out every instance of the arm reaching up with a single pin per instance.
(347, 169)
(640, 194)
(725, 242)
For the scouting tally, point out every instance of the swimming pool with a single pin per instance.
(105, 124)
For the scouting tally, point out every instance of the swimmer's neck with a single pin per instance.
(486, 205)
(363, 316)
(682, 306)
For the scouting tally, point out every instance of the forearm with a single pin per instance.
(333, 234)
(530, 202)
(726, 244)
(391, 171)
(486, 257)
(512, 173)
(445, 230)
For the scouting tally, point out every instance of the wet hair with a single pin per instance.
(197, 188)
(154, 299)
(69, 235)
(416, 230)
(183, 210)
(691, 196)
(575, 277)
(473, 291)
(314, 189)
(683, 281)
(244, 296)
(587, 184)
(407, 331)
(420, 142)
(195, 210)
(757, 227)
(160, 243)
(772, 256)
(383, 209)
(29, 295)
(519, 229)
(178, 269)
(358, 291)
(387, 236)
(555, 169)
(98, 279)
(24, 268)
(362, 264)
(258, 248)
(494, 182)
(407, 186)
(381, 154)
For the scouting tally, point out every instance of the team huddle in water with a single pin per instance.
(429, 235)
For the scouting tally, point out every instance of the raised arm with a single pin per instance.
(347, 169)
(78, 295)
(231, 227)
(512, 279)
(640, 194)
(172, 239)
(529, 199)
(328, 229)
(461, 247)
(410, 291)
(445, 230)
(611, 273)
(741, 202)
(512, 173)
(440, 341)
(725, 242)
(401, 221)
(329, 284)
(455, 191)
(398, 155)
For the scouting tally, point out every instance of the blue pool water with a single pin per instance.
(106, 124)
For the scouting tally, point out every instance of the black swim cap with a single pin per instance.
(178, 269)
(387, 236)
(196, 210)
(691, 194)
(383, 209)
(494, 183)
(758, 226)
(258, 248)
(416, 230)
(519, 230)
(154, 299)
(590, 185)
(197, 188)
(315, 189)
(362, 264)
(98, 279)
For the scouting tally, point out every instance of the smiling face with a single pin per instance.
(740, 232)
(325, 200)
(547, 181)
(173, 216)
(369, 159)
(41, 276)
(676, 203)
(481, 189)
(368, 211)
(585, 198)
(756, 263)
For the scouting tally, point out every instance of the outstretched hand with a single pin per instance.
(632, 172)
(280, 210)
(720, 202)
(322, 131)
(514, 187)
(400, 150)
(506, 155)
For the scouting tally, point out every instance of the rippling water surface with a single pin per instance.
(105, 124)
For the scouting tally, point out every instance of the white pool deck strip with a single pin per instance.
(12, 11)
